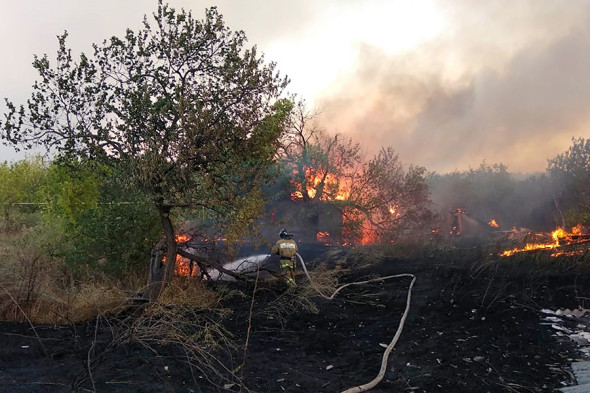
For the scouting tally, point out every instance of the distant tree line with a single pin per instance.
(542, 202)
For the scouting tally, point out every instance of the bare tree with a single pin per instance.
(328, 172)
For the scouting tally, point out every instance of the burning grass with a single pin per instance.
(537, 262)
(558, 239)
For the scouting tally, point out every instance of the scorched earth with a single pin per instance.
(475, 325)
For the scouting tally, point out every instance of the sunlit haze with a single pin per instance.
(448, 83)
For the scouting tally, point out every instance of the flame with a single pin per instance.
(324, 237)
(559, 237)
(321, 236)
(558, 234)
(296, 195)
(338, 190)
(333, 188)
(369, 237)
(394, 211)
(181, 238)
(493, 223)
(528, 247)
(183, 265)
(342, 195)
(569, 253)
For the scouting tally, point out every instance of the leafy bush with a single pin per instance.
(112, 231)
(20, 199)
(115, 238)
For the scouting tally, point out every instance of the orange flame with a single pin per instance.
(181, 238)
(321, 236)
(493, 223)
(393, 210)
(569, 253)
(296, 195)
(559, 237)
(182, 266)
(313, 180)
(324, 237)
(369, 237)
(333, 188)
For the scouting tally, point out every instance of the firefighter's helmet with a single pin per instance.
(283, 234)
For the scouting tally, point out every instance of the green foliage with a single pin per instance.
(70, 189)
(19, 189)
(114, 237)
(570, 175)
(104, 223)
(169, 103)
(85, 215)
(180, 106)
(574, 162)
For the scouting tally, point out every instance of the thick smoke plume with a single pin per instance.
(507, 82)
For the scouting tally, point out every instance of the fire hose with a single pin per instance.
(371, 384)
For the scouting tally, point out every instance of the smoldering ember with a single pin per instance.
(189, 226)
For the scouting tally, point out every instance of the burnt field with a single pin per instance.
(474, 326)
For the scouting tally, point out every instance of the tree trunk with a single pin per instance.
(161, 272)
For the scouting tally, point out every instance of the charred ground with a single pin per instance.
(474, 326)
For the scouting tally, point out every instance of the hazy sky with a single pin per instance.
(447, 83)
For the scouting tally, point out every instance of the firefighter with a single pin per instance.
(286, 248)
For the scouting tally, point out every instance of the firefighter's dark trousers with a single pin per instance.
(288, 267)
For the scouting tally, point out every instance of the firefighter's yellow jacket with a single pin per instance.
(286, 248)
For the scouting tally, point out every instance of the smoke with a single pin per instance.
(506, 82)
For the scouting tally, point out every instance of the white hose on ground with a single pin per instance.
(370, 385)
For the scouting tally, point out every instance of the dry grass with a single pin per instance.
(324, 280)
(42, 289)
(37, 288)
(53, 305)
(189, 292)
(302, 297)
(207, 345)
(93, 299)
(204, 344)
(49, 298)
